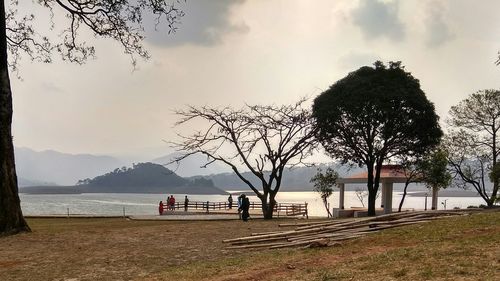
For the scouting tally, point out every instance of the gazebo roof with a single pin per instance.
(388, 174)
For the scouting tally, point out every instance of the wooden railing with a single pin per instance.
(287, 209)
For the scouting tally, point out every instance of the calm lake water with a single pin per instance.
(147, 204)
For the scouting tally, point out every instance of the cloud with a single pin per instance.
(205, 24)
(378, 19)
(437, 31)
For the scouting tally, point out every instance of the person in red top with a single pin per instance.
(160, 208)
(171, 202)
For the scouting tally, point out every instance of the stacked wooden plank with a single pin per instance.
(327, 233)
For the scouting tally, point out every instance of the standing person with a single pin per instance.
(230, 201)
(239, 205)
(186, 202)
(172, 202)
(160, 208)
(245, 206)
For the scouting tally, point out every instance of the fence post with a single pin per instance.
(307, 213)
(207, 207)
(123, 212)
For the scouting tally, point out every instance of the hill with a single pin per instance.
(141, 178)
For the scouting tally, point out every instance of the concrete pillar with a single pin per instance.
(387, 197)
(382, 194)
(434, 198)
(341, 195)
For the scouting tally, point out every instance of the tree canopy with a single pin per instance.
(433, 170)
(118, 20)
(376, 114)
(473, 142)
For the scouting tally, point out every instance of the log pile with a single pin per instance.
(329, 233)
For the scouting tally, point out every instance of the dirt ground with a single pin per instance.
(115, 249)
(460, 248)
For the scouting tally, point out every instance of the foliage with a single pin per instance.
(434, 170)
(265, 139)
(323, 183)
(376, 114)
(473, 142)
(142, 174)
(430, 169)
(495, 173)
(120, 20)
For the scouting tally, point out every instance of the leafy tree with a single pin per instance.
(376, 114)
(120, 20)
(434, 172)
(430, 169)
(473, 142)
(263, 139)
(323, 183)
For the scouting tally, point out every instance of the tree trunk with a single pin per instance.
(268, 206)
(372, 193)
(325, 202)
(404, 196)
(493, 196)
(11, 216)
(434, 205)
(372, 196)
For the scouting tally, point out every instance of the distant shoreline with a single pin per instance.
(51, 190)
(446, 193)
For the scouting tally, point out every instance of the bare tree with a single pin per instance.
(473, 142)
(259, 138)
(120, 20)
(361, 194)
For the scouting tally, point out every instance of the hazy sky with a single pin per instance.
(259, 51)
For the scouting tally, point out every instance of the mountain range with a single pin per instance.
(51, 168)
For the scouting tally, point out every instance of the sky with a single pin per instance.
(232, 53)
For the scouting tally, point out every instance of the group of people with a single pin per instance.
(243, 206)
(170, 204)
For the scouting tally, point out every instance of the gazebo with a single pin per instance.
(389, 175)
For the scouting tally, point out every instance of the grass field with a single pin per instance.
(459, 248)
